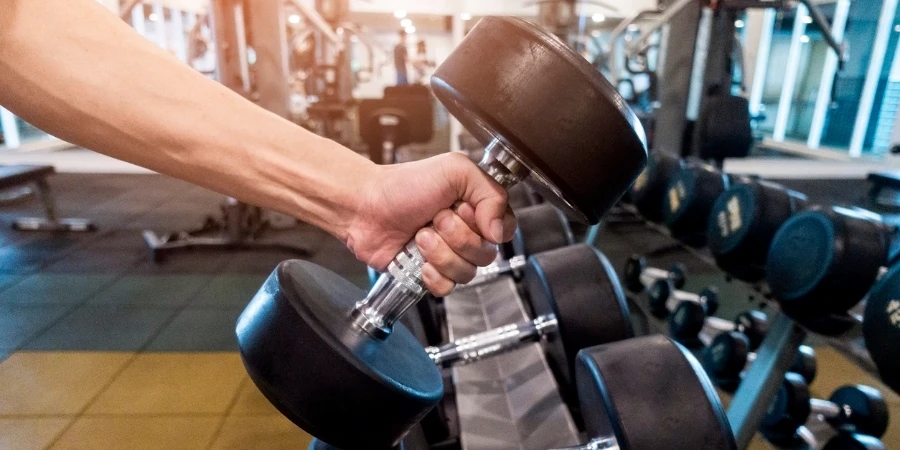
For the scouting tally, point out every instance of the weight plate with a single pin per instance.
(685, 323)
(754, 325)
(869, 412)
(507, 78)
(658, 295)
(848, 441)
(650, 393)
(725, 357)
(578, 285)
(881, 327)
(632, 274)
(649, 188)
(540, 228)
(378, 389)
(688, 200)
(805, 364)
(789, 409)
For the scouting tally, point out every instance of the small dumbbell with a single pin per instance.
(854, 441)
(856, 409)
(664, 298)
(729, 355)
(638, 275)
(688, 322)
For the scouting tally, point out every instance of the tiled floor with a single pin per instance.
(102, 349)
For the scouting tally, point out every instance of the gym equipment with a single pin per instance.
(391, 122)
(688, 317)
(664, 298)
(881, 327)
(520, 196)
(650, 187)
(854, 441)
(823, 261)
(328, 355)
(727, 357)
(689, 199)
(16, 176)
(638, 275)
(576, 301)
(856, 409)
(649, 383)
(689, 327)
(742, 223)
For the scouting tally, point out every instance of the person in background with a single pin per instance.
(421, 64)
(400, 57)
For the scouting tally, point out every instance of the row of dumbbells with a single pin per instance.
(818, 262)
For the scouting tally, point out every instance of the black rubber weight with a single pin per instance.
(323, 374)
(689, 199)
(578, 285)
(650, 393)
(541, 227)
(507, 78)
(649, 188)
(881, 327)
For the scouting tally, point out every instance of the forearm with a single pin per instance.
(76, 71)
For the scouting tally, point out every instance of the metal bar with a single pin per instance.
(867, 98)
(637, 46)
(180, 43)
(823, 99)
(9, 128)
(827, 33)
(240, 32)
(790, 74)
(317, 21)
(701, 49)
(762, 61)
(162, 39)
(764, 377)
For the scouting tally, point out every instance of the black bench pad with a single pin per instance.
(12, 176)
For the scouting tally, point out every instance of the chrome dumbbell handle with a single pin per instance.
(595, 444)
(401, 286)
(826, 409)
(712, 326)
(492, 342)
(651, 274)
(497, 268)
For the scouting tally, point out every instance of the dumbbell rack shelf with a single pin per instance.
(775, 355)
(510, 400)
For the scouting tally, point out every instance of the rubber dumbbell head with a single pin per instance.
(689, 320)
(853, 441)
(729, 355)
(638, 275)
(649, 188)
(881, 327)
(742, 223)
(329, 356)
(689, 199)
(664, 297)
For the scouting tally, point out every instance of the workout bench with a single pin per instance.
(22, 175)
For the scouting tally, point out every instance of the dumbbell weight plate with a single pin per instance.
(505, 81)
(688, 200)
(515, 79)
(578, 285)
(726, 354)
(541, 227)
(788, 411)
(650, 393)
(881, 327)
(847, 441)
(869, 411)
(649, 188)
(743, 222)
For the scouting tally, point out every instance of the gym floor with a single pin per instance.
(101, 348)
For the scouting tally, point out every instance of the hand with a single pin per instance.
(399, 200)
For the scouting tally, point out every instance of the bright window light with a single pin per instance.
(465, 16)
(597, 18)
(294, 19)
(804, 39)
(410, 29)
(406, 23)
(897, 28)
(153, 17)
(400, 13)
(633, 27)
(807, 19)
(739, 23)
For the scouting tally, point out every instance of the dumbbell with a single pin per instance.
(638, 275)
(881, 327)
(856, 409)
(520, 196)
(664, 298)
(853, 441)
(628, 387)
(823, 261)
(742, 223)
(329, 356)
(689, 319)
(649, 188)
(729, 355)
(689, 198)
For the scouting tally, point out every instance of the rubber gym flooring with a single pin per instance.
(101, 348)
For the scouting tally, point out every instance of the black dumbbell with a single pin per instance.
(626, 388)
(823, 261)
(649, 188)
(576, 301)
(743, 222)
(688, 320)
(664, 298)
(881, 327)
(329, 356)
(855, 409)
(540, 228)
(521, 196)
(689, 199)
(638, 275)
(729, 355)
(854, 441)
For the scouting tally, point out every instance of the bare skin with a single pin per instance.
(76, 71)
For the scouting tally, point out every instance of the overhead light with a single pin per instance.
(339, 31)
(804, 39)
(153, 17)
(632, 27)
(807, 19)
(406, 23)
(597, 18)
(595, 33)
(465, 16)
(294, 19)
(739, 23)
(410, 29)
(400, 13)
(897, 28)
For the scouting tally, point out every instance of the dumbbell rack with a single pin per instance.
(774, 357)
(509, 401)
